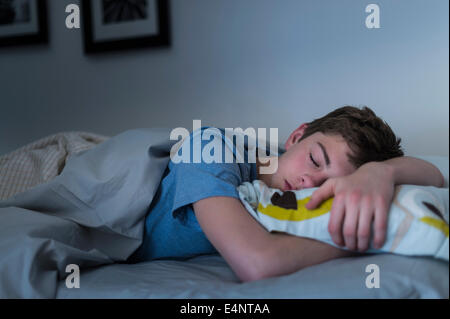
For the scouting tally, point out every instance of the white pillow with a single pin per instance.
(417, 219)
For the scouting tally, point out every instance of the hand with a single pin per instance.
(359, 199)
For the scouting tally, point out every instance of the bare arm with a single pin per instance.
(365, 196)
(251, 251)
(410, 170)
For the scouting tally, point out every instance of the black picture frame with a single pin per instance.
(34, 30)
(159, 37)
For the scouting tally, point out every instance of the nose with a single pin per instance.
(306, 181)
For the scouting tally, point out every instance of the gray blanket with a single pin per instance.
(91, 214)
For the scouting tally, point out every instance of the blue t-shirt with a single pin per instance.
(171, 228)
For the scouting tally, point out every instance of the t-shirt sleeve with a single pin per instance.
(194, 181)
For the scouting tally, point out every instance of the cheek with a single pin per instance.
(289, 164)
(295, 165)
(282, 167)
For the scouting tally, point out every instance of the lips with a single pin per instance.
(287, 186)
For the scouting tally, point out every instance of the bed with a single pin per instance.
(78, 198)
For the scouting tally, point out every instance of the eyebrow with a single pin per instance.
(325, 154)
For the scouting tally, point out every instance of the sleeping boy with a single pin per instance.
(350, 154)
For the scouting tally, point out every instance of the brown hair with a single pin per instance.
(368, 136)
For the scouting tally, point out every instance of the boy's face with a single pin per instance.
(312, 161)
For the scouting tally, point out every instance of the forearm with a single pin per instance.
(286, 254)
(410, 170)
(251, 251)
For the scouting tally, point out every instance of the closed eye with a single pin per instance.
(312, 160)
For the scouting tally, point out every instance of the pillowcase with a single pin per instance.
(417, 220)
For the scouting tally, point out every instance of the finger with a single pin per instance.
(337, 215)
(364, 226)
(322, 193)
(380, 225)
(350, 224)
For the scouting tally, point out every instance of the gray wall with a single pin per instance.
(252, 63)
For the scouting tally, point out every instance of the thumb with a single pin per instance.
(322, 193)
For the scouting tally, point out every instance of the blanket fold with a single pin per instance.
(89, 215)
(42, 160)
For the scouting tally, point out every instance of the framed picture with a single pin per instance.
(23, 22)
(111, 25)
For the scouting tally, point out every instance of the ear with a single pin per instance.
(295, 136)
